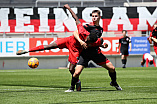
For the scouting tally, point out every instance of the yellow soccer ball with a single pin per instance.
(33, 63)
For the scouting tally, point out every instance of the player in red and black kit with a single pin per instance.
(125, 42)
(153, 37)
(94, 53)
(71, 43)
(148, 59)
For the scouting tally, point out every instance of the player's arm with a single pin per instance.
(130, 45)
(76, 35)
(153, 39)
(72, 13)
(149, 40)
(118, 47)
(104, 46)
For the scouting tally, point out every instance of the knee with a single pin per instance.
(76, 74)
(71, 67)
(112, 69)
(72, 70)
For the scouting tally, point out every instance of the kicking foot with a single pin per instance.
(78, 86)
(114, 84)
(20, 52)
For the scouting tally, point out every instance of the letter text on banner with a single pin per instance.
(9, 46)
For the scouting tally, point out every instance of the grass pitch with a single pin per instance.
(47, 86)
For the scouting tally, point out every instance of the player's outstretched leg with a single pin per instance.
(20, 52)
(38, 48)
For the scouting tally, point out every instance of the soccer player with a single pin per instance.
(148, 59)
(124, 44)
(153, 37)
(71, 43)
(93, 53)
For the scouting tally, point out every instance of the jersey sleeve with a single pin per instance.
(82, 30)
(87, 27)
(150, 34)
(129, 40)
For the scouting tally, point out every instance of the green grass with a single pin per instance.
(47, 86)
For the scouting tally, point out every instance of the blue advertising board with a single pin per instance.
(140, 45)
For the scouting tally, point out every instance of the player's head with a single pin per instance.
(143, 62)
(151, 62)
(155, 25)
(92, 37)
(95, 16)
(124, 32)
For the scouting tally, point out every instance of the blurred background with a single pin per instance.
(13, 40)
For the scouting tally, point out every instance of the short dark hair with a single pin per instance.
(124, 30)
(96, 11)
(151, 62)
(93, 36)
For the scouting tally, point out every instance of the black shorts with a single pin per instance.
(124, 52)
(99, 59)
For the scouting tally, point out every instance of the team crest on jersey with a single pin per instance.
(127, 39)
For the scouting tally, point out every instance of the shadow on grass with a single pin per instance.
(104, 100)
(96, 89)
(50, 86)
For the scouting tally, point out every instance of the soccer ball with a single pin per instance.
(33, 63)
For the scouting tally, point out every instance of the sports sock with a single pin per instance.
(73, 82)
(38, 48)
(72, 73)
(124, 61)
(113, 76)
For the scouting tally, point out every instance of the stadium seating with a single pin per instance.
(58, 3)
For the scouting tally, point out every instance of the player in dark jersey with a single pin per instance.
(153, 37)
(94, 53)
(124, 44)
